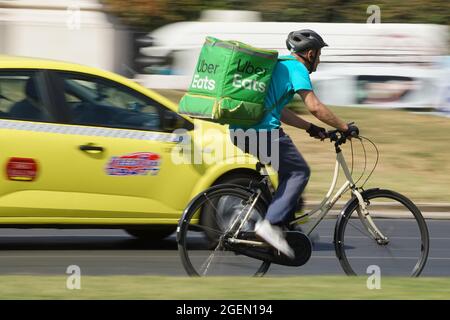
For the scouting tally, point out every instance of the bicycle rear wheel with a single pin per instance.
(202, 233)
(403, 252)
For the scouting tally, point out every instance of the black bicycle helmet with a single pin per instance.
(302, 40)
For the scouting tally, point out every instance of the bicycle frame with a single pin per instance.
(329, 201)
(326, 205)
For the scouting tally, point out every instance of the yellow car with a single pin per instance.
(86, 148)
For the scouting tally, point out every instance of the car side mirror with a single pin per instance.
(172, 121)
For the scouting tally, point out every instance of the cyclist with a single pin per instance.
(290, 76)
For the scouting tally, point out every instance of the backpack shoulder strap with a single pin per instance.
(286, 58)
(284, 96)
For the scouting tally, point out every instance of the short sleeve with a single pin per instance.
(300, 78)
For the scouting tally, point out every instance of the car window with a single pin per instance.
(21, 96)
(98, 102)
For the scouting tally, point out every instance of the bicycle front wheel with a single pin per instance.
(391, 237)
(206, 226)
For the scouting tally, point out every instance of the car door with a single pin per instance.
(29, 148)
(119, 153)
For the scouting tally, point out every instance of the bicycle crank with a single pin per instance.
(250, 245)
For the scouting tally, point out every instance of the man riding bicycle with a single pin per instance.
(290, 76)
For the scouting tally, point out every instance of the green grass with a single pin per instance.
(414, 151)
(174, 288)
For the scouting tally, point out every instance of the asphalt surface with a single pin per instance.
(114, 252)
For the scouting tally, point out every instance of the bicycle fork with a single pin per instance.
(362, 211)
(367, 221)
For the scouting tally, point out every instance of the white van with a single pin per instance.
(178, 44)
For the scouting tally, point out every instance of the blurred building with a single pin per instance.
(76, 31)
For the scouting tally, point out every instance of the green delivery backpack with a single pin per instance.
(230, 83)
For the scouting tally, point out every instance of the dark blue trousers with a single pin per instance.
(293, 176)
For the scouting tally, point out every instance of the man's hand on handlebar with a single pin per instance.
(334, 135)
(341, 136)
(317, 132)
(352, 131)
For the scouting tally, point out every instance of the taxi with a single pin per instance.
(86, 148)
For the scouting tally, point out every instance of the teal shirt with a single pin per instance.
(288, 77)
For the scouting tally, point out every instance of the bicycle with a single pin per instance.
(216, 236)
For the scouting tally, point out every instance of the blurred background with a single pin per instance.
(393, 54)
(389, 55)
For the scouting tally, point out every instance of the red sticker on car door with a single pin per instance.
(21, 169)
(134, 164)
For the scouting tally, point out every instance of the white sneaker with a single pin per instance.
(274, 236)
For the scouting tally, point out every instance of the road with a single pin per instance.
(113, 252)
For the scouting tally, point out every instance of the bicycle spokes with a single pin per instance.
(396, 241)
(208, 229)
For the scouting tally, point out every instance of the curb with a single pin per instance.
(424, 207)
(391, 209)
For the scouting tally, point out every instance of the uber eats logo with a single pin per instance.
(204, 82)
(248, 70)
(244, 76)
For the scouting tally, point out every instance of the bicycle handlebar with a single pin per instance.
(339, 137)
